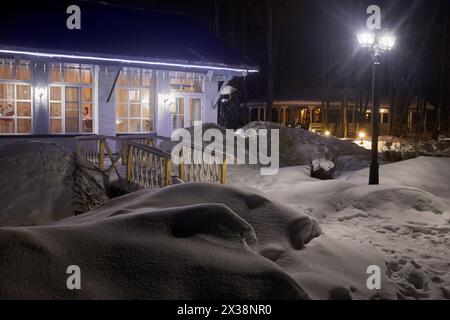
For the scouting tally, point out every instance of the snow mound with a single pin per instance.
(44, 182)
(406, 219)
(367, 198)
(189, 241)
(430, 174)
(299, 147)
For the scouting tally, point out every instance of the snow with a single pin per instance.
(286, 236)
(43, 182)
(406, 219)
(189, 241)
(322, 163)
(299, 146)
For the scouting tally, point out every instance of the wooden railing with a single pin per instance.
(95, 148)
(145, 166)
(197, 166)
(148, 167)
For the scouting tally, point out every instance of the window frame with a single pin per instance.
(15, 63)
(79, 86)
(187, 97)
(151, 102)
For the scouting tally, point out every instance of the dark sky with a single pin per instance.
(318, 39)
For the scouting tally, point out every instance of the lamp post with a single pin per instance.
(377, 43)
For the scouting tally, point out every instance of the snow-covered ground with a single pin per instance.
(287, 236)
(406, 218)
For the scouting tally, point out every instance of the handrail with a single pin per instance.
(196, 170)
(147, 166)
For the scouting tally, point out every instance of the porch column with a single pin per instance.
(163, 126)
(41, 114)
(311, 117)
(106, 113)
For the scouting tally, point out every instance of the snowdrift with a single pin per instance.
(406, 219)
(44, 182)
(299, 147)
(190, 241)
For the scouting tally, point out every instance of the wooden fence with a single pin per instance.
(136, 161)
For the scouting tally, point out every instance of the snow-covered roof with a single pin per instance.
(117, 35)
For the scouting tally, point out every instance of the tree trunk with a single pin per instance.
(270, 60)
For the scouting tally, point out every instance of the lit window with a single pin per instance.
(15, 97)
(71, 99)
(186, 82)
(134, 101)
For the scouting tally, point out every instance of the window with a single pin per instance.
(195, 113)
(186, 82)
(134, 101)
(178, 115)
(15, 97)
(71, 99)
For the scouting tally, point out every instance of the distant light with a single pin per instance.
(327, 133)
(383, 110)
(366, 40)
(313, 130)
(362, 135)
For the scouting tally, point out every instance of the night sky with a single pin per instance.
(318, 39)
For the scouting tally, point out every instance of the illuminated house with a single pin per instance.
(126, 71)
(306, 109)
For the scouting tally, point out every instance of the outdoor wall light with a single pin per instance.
(40, 92)
(167, 100)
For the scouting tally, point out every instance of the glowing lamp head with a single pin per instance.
(386, 42)
(379, 42)
(366, 39)
(327, 133)
(362, 135)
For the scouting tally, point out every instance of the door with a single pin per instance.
(187, 109)
(195, 110)
(72, 110)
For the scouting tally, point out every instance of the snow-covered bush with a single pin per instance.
(323, 168)
(404, 149)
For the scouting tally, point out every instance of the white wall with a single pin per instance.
(106, 111)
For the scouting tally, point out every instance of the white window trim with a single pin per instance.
(63, 87)
(187, 105)
(80, 85)
(16, 117)
(151, 104)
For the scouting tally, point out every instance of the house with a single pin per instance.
(306, 108)
(124, 71)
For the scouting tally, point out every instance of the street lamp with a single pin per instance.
(377, 43)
